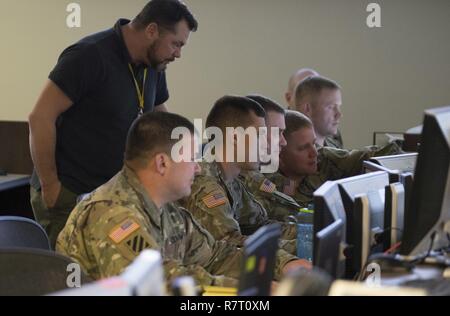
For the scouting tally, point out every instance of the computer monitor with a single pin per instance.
(143, 277)
(394, 165)
(427, 220)
(328, 208)
(369, 166)
(407, 179)
(402, 163)
(363, 199)
(368, 225)
(258, 266)
(394, 208)
(327, 248)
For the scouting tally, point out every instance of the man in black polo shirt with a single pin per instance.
(99, 86)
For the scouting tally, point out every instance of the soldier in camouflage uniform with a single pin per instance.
(228, 209)
(333, 164)
(320, 99)
(111, 226)
(303, 168)
(219, 200)
(279, 206)
(333, 140)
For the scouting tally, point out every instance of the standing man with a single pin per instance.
(99, 86)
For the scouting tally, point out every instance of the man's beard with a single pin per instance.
(158, 65)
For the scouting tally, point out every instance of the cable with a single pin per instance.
(420, 259)
(380, 237)
(433, 236)
(393, 248)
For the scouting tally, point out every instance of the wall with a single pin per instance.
(389, 75)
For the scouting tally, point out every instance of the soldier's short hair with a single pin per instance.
(267, 104)
(311, 87)
(233, 111)
(166, 14)
(151, 134)
(296, 121)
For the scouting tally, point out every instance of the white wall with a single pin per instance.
(389, 75)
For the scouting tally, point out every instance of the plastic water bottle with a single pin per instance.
(305, 233)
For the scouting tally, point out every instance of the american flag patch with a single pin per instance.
(214, 199)
(124, 230)
(268, 186)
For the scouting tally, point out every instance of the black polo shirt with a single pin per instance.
(91, 135)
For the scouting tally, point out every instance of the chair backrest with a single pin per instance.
(37, 272)
(21, 232)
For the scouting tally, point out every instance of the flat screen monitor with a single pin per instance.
(369, 166)
(328, 208)
(363, 199)
(327, 248)
(258, 266)
(427, 220)
(402, 163)
(393, 214)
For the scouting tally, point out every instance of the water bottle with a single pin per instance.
(305, 233)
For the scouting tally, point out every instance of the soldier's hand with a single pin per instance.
(295, 264)
(50, 193)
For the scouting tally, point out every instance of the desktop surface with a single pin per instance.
(11, 181)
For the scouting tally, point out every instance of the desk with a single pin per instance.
(15, 195)
(12, 181)
(430, 278)
(421, 272)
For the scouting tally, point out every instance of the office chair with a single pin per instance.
(21, 232)
(27, 272)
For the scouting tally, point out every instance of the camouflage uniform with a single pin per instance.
(279, 205)
(334, 141)
(333, 164)
(110, 227)
(228, 210)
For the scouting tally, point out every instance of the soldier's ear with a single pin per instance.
(287, 96)
(307, 109)
(161, 163)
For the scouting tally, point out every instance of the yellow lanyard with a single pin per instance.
(138, 90)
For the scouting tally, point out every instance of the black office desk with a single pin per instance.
(15, 195)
